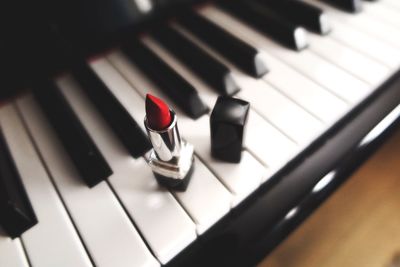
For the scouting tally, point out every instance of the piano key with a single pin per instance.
(240, 179)
(353, 6)
(53, 241)
(288, 117)
(298, 12)
(267, 23)
(272, 151)
(241, 54)
(162, 221)
(83, 152)
(210, 70)
(11, 252)
(205, 198)
(276, 150)
(391, 3)
(360, 66)
(108, 234)
(16, 212)
(306, 93)
(374, 48)
(204, 211)
(174, 85)
(317, 69)
(383, 13)
(365, 23)
(123, 125)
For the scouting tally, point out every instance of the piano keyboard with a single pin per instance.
(127, 219)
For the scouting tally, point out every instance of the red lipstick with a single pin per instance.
(171, 158)
(157, 113)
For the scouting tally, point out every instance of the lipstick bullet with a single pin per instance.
(171, 158)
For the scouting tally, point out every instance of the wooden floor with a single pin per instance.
(358, 226)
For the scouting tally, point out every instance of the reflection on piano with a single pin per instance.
(322, 80)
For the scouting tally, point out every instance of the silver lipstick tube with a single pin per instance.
(171, 158)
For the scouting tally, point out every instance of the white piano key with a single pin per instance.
(11, 252)
(162, 221)
(205, 198)
(299, 125)
(271, 146)
(205, 211)
(312, 97)
(383, 13)
(53, 241)
(106, 230)
(197, 132)
(355, 63)
(240, 179)
(364, 23)
(391, 3)
(360, 41)
(324, 73)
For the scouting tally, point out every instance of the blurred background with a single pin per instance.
(359, 225)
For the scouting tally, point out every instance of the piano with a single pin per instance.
(322, 79)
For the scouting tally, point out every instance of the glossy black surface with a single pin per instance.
(298, 12)
(16, 213)
(227, 123)
(352, 6)
(83, 152)
(241, 54)
(263, 20)
(200, 62)
(121, 122)
(254, 228)
(181, 92)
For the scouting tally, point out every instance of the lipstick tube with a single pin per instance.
(171, 158)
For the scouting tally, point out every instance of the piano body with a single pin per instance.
(322, 79)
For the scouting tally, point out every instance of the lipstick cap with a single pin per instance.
(227, 124)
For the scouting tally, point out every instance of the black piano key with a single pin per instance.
(201, 63)
(83, 152)
(298, 12)
(267, 22)
(353, 6)
(117, 117)
(235, 50)
(16, 212)
(168, 80)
